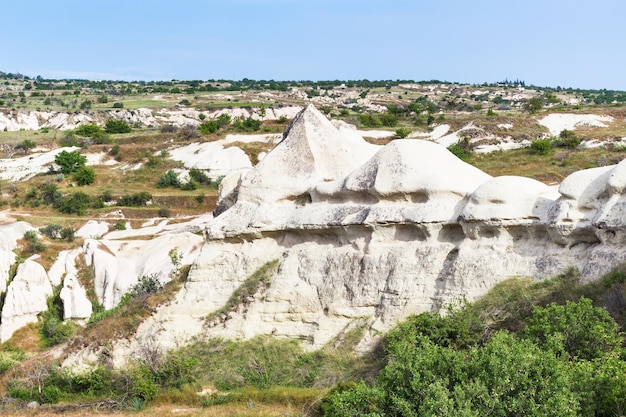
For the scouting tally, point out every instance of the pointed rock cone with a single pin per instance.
(312, 151)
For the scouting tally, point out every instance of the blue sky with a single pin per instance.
(553, 43)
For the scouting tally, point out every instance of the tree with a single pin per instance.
(84, 175)
(69, 162)
(86, 105)
(534, 104)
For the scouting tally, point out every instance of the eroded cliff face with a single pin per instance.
(366, 235)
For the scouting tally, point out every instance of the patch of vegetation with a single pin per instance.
(117, 126)
(69, 162)
(134, 200)
(526, 348)
(260, 279)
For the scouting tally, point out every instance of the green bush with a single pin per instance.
(208, 127)
(169, 179)
(53, 231)
(76, 203)
(223, 120)
(135, 200)
(118, 105)
(84, 175)
(114, 126)
(567, 139)
(69, 162)
(460, 151)
(402, 132)
(68, 234)
(588, 332)
(541, 146)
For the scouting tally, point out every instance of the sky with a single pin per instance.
(550, 43)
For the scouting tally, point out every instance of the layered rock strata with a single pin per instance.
(366, 235)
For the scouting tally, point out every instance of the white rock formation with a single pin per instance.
(557, 122)
(368, 234)
(9, 234)
(119, 264)
(25, 298)
(76, 304)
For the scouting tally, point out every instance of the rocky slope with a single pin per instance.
(364, 235)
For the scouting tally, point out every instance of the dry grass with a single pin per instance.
(227, 410)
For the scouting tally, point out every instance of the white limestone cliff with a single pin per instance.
(26, 297)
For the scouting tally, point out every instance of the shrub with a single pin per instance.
(168, 129)
(53, 231)
(76, 203)
(70, 161)
(164, 212)
(114, 126)
(89, 130)
(135, 200)
(567, 139)
(169, 179)
(84, 175)
(103, 99)
(119, 225)
(588, 332)
(208, 127)
(118, 105)
(199, 176)
(460, 150)
(403, 132)
(247, 125)
(388, 120)
(68, 234)
(223, 120)
(34, 245)
(541, 146)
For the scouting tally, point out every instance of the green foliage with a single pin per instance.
(461, 150)
(26, 144)
(50, 194)
(208, 127)
(119, 225)
(53, 231)
(118, 105)
(247, 125)
(34, 244)
(114, 126)
(353, 400)
(103, 99)
(9, 358)
(134, 200)
(199, 176)
(369, 120)
(567, 139)
(89, 130)
(75, 203)
(68, 234)
(388, 120)
(169, 179)
(52, 328)
(541, 146)
(223, 120)
(588, 332)
(534, 104)
(261, 277)
(69, 162)
(86, 105)
(403, 132)
(84, 175)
